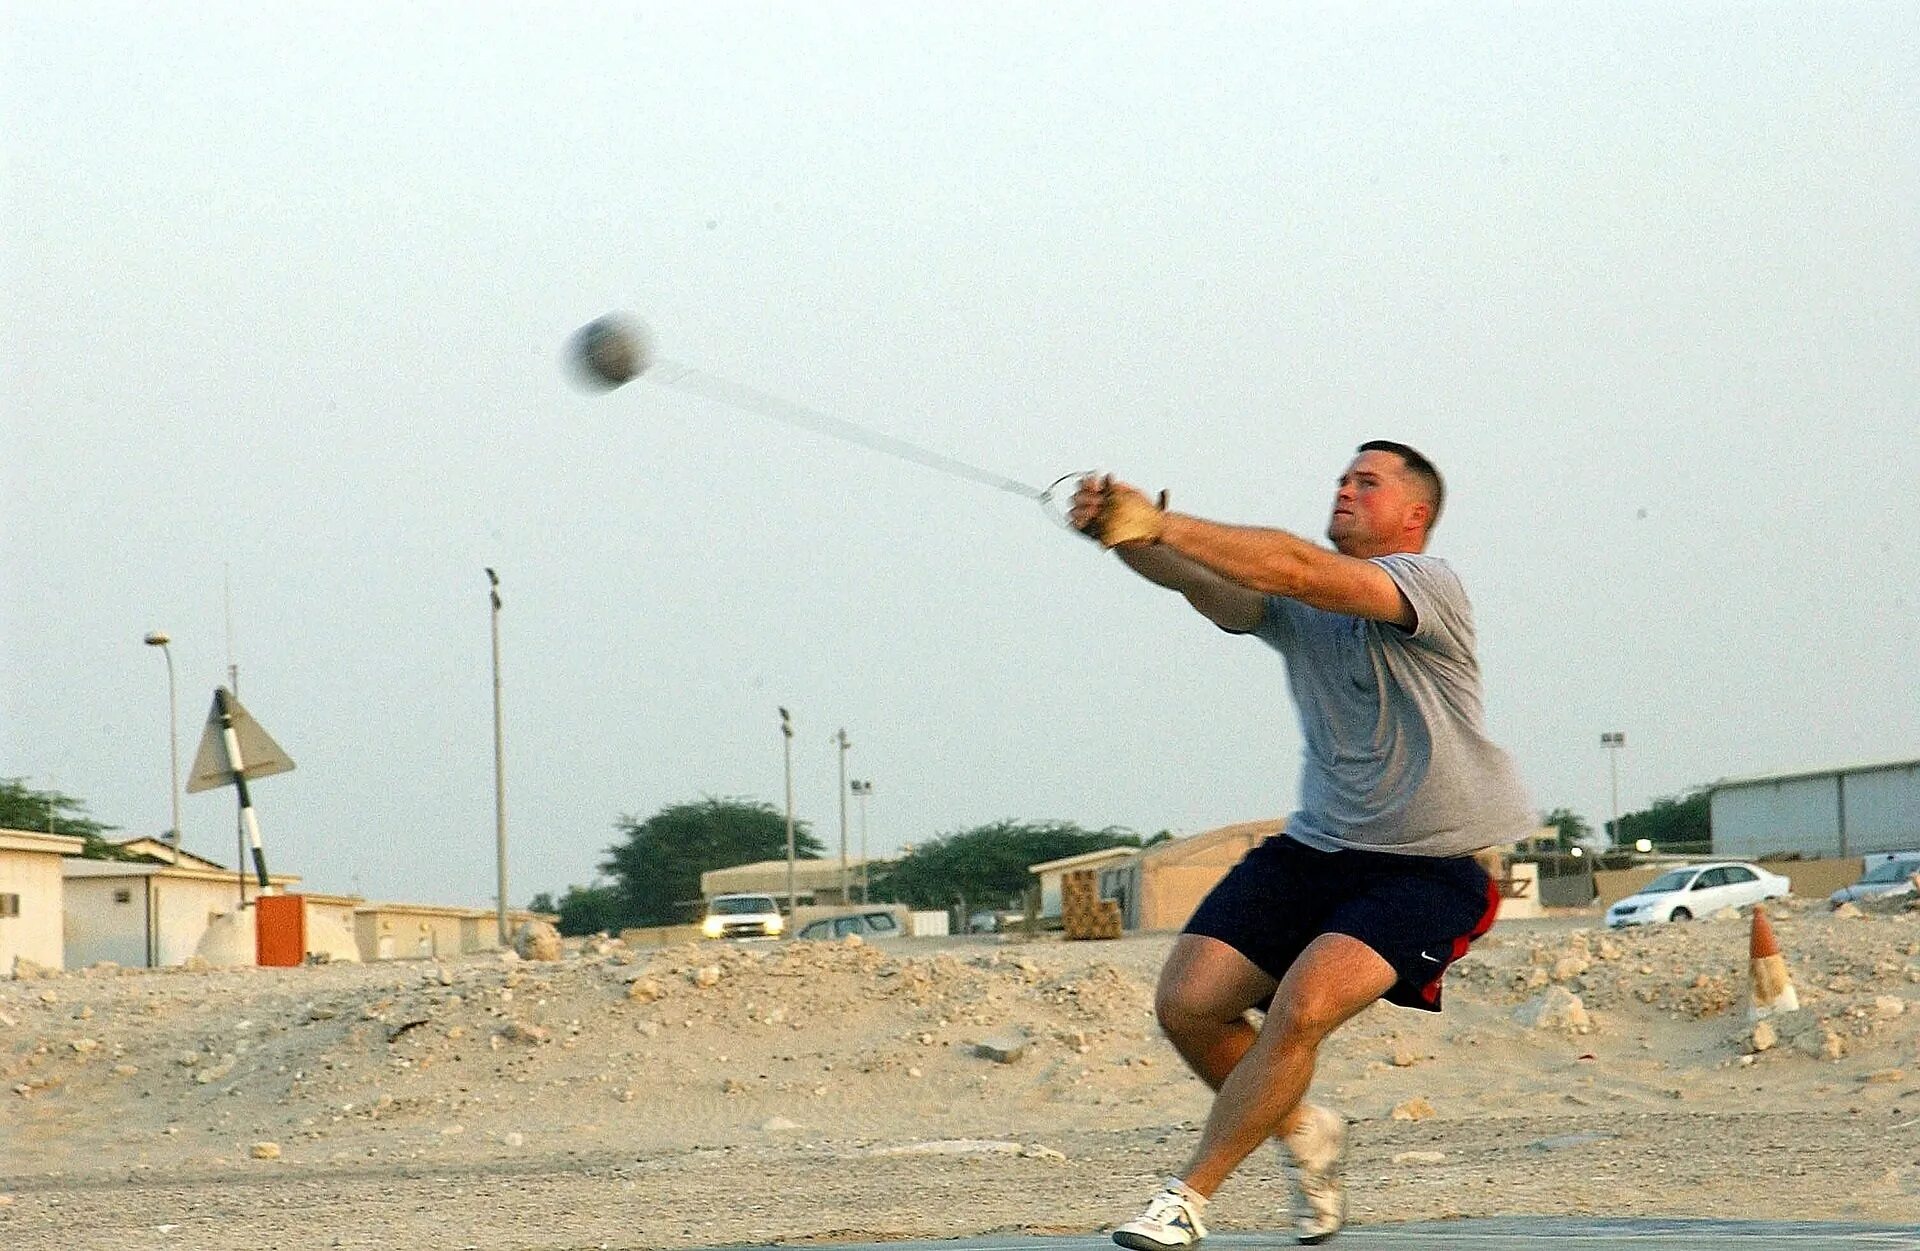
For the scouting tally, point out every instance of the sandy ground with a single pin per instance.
(718, 1094)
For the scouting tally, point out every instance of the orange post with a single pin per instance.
(280, 931)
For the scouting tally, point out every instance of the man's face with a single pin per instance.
(1371, 506)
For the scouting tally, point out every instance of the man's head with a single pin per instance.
(1388, 500)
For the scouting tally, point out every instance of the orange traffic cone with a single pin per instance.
(1772, 988)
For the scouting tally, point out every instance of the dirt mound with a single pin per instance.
(790, 1058)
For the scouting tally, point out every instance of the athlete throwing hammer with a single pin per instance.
(1373, 888)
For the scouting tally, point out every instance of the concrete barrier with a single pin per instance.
(661, 935)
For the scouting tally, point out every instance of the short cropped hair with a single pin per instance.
(1423, 470)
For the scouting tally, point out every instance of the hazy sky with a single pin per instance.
(286, 288)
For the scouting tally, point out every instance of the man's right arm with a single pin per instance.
(1226, 604)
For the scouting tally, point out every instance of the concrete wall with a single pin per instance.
(1816, 879)
(1520, 893)
(36, 934)
(107, 918)
(661, 935)
(186, 909)
(172, 912)
(330, 930)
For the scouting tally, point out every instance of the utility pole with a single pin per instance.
(841, 738)
(786, 734)
(233, 684)
(499, 768)
(159, 639)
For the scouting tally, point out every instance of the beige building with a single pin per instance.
(32, 897)
(814, 881)
(152, 914)
(1161, 886)
(405, 931)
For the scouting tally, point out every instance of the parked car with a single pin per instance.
(1889, 877)
(1698, 890)
(994, 922)
(868, 925)
(743, 916)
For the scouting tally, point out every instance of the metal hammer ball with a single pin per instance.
(611, 351)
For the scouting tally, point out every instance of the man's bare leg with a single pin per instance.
(1201, 1000)
(1268, 1070)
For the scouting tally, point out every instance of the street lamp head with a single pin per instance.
(157, 638)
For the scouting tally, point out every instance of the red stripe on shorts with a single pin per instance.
(1431, 991)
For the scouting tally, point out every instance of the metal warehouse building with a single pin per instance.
(1834, 812)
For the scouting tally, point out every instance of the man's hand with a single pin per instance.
(1115, 514)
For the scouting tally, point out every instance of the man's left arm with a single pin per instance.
(1275, 562)
(1271, 562)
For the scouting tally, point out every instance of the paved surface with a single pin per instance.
(1508, 1234)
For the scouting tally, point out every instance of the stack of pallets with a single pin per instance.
(1083, 912)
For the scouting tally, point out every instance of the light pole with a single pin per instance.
(1613, 741)
(786, 735)
(860, 791)
(840, 737)
(499, 767)
(159, 639)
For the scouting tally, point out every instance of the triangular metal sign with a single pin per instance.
(262, 755)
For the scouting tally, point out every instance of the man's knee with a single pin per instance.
(1306, 1014)
(1337, 978)
(1176, 1008)
(1184, 1010)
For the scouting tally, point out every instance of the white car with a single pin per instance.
(743, 916)
(1697, 890)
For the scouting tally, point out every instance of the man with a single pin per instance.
(1373, 888)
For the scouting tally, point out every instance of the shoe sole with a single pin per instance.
(1140, 1242)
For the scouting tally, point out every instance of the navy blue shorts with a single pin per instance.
(1418, 912)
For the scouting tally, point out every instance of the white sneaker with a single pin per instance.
(1316, 1149)
(1172, 1219)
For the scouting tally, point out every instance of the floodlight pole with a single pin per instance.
(499, 769)
(841, 738)
(862, 789)
(1613, 741)
(786, 734)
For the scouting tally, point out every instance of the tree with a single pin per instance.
(1574, 830)
(986, 867)
(585, 910)
(656, 870)
(1672, 823)
(50, 812)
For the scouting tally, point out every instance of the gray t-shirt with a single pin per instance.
(1396, 757)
